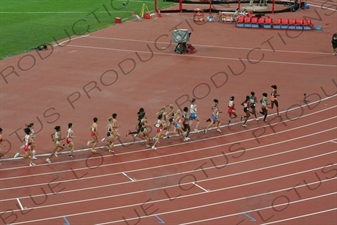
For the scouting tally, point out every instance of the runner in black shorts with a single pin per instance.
(246, 110)
(264, 106)
(252, 103)
(186, 123)
(273, 99)
(140, 115)
(334, 43)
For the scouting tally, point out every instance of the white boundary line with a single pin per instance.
(259, 209)
(194, 160)
(200, 56)
(205, 190)
(205, 168)
(301, 216)
(204, 180)
(18, 200)
(250, 217)
(211, 46)
(176, 185)
(182, 196)
(71, 39)
(133, 180)
(160, 220)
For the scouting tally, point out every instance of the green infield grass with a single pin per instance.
(25, 24)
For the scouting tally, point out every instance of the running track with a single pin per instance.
(280, 172)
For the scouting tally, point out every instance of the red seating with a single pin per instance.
(292, 21)
(285, 21)
(247, 19)
(261, 20)
(308, 21)
(300, 21)
(278, 21)
(240, 19)
(254, 20)
(269, 21)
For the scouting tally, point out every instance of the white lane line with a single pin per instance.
(205, 190)
(203, 57)
(128, 177)
(18, 200)
(208, 46)
(183, 196)
(251, 149)
(334, 141)
(253, 210)
(71, 39)
(301, 216)
(191, 195)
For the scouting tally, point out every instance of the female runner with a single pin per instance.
(245, 105)
(215, 117)
(33, 147)
(186, 123)
(140, 115)
(179, 126)
(56, 138)
(264, 106)
(144, 133)
(69, 140)
(170, 117)
(252, 104)
(109, 136)
(194, 114)
(94, 135)
(27, 147)
(163, 113)
(114, 126)
(114, 132)
(159, 125)
(231, 110)
(273, 99)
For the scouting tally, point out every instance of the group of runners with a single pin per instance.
(169, 123)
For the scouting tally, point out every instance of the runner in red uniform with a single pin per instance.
(159, 125)
(69, 140)
(33, 135)
(94, 135)
(27, 147)
(231, 110)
